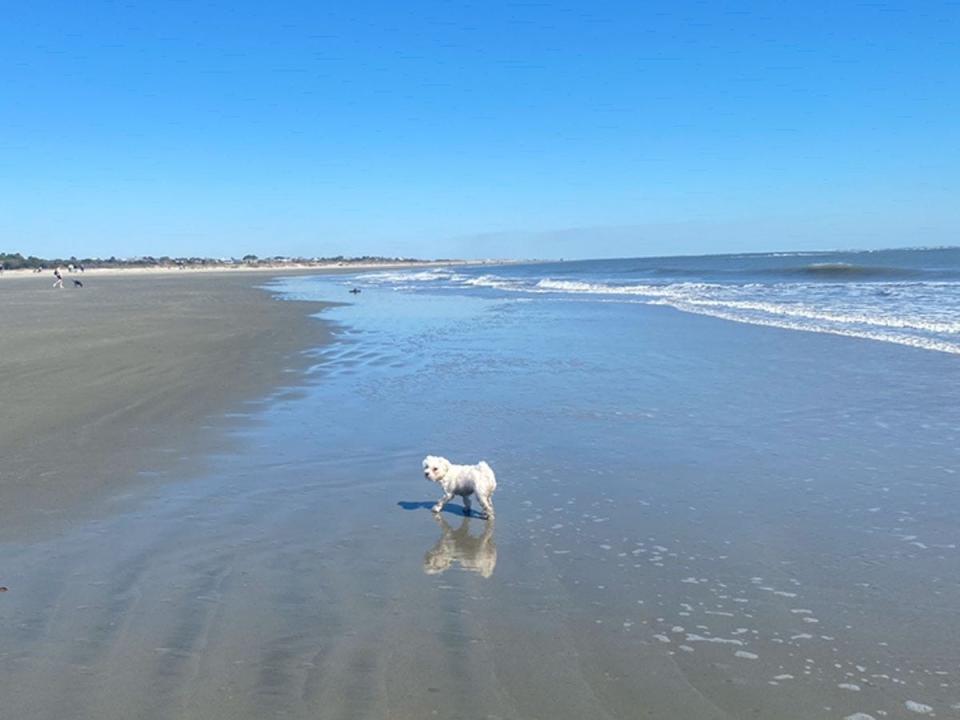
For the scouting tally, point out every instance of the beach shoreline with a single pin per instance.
(131, 377)
(241, 268)
(696, 518)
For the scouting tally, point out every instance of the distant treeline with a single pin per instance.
(15, 261)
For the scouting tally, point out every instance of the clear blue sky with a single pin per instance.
(543, 129)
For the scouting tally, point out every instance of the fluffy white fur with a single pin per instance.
(462, 480)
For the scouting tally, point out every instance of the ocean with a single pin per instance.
(727, 485)
(910, 297)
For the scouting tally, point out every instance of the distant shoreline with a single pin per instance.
(280, 267)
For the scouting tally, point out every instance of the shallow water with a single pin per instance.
(695, 518)
(771, 515)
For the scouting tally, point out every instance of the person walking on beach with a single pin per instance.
(59, 278)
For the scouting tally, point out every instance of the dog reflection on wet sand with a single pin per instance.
(474, 553)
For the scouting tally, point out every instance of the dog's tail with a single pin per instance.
(488, 471)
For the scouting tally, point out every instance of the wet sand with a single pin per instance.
(727, 534)
(122, 376)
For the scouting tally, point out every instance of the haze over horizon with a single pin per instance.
(467, 130)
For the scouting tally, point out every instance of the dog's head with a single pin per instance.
(435, 467)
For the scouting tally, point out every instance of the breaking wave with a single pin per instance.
(840, 298)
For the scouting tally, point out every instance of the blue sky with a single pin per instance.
(528, 129)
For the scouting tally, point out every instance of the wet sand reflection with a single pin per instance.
(475, 553)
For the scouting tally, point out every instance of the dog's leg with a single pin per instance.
(442, 501)
(466, 505)
(487, 504)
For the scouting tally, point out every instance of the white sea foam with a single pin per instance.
(744, 297)
(692, 637)
(408, 276)
(492, 281)
(923, 343)
(916, 314)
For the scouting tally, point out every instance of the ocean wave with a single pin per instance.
(799, 253)
(708, 295)
(921, 314)
(407, 276)
(839, 317)
(577, 286)
(842, 269)
(828, 271)
(916, 341)
(492, 281)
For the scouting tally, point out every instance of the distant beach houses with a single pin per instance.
(17, 261)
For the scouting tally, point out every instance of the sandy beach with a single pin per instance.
(695, 518)
(100, 383)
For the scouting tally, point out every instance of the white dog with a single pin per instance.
(462, 480)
